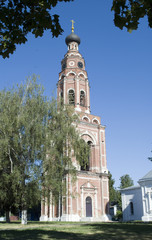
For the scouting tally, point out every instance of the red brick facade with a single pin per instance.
(88, 197)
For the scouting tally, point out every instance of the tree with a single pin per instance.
(66, 146)
(38, 140)
(20, 17)
(112, 190)
(126, 181)
(114, 194)
(127, 13)
(23, 126)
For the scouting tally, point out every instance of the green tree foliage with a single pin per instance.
(64, 145)
(23, 125)
(20, 17)
(127, 13)
(126, 181)
(114, 194)
(112, 190)
(38, 140)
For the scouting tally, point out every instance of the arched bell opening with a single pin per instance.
(82, 98)
(71, 97)
(86, 166)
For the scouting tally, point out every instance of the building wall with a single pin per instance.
(146, 189)
(134, 197)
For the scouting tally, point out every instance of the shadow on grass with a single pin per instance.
(40, 235)
(96, 231)
(119, 231)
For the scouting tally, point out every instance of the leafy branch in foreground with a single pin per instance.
(127, 13)
(20, 17)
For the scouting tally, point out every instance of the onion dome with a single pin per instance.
(72, 38)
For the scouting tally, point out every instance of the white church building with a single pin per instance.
(137, 200)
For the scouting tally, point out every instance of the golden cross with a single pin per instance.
(72, 25)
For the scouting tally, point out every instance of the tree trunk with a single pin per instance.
(8, 216)
(24, 217)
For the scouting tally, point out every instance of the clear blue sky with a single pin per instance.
(120, 75)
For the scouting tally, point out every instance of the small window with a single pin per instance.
(82, 98)
(71, 97)
(131, 208)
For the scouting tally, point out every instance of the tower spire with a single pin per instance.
(72, 29)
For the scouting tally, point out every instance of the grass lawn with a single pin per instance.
(75, 231)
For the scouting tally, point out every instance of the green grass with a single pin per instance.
(75, 231)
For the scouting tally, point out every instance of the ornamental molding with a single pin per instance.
(70, 72)
(81, 73)
(74, 54)
(86, 117)
(90, 135)
(95, 119)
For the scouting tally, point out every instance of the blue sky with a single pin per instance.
(119, 70)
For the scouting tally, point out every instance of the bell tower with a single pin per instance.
(88, 197)
(73, 84)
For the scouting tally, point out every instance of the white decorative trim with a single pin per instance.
(70, 72)
(82, 207)
(78, 109)
(74, 54)
(83, 91)
(78, 97)
(64, 87)
(60, 93)
(100, 149)
(62, 75)
(82, 74)
(70, 89)
(90, 135)
(88, 96)
(89, 178)
(43, 218)
(87, 111)
(95, 120)
(70, 218)
(71, 63)
(86, 117)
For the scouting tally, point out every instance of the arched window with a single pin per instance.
(131, 208)
(61, 94)
(95, 121)
(61, 97)
(88, 207)
(71, 97)
(86, 166)
(86, 119)
(89, 158)
(82, 98)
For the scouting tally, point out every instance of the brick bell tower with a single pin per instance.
(89, 195)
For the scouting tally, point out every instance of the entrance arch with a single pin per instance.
(88, 207)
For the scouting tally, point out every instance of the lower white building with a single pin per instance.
(137, 200)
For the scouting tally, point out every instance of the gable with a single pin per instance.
(88, 185)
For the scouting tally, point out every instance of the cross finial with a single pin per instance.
(72, 25)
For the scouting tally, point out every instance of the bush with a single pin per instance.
(119, 215)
